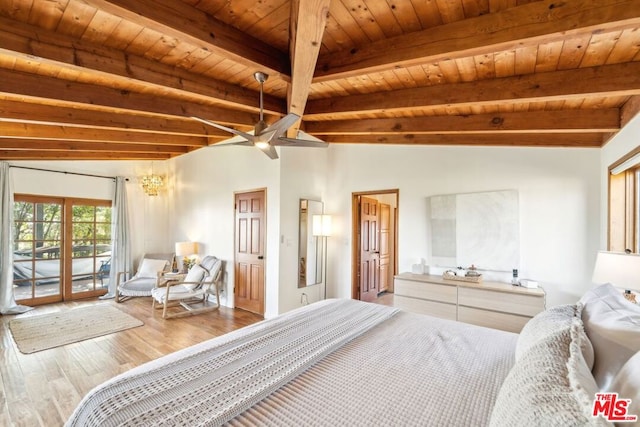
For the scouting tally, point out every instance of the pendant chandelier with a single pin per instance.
(152, 183)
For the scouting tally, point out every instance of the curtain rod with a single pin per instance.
(64, 172)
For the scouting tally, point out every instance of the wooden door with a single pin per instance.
(249, 252)
(385, 247)
(369, 249)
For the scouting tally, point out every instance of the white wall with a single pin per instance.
(559, 194)
(202, 193)
(561, 211)
(304, 176)
(202, 207)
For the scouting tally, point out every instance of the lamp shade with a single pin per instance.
(620, 269)
(321, 225)
(186, 248)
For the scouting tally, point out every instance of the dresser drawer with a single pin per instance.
(421, 306)
(490, 304)
(520, 304)
(492, 319)
(427, 291)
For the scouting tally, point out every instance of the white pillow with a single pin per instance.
(627, 385)
(150, 267)
(551, 321)
(549, 385)
(195, 275)
(613, 326)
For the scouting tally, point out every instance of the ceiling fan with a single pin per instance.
(266, 138)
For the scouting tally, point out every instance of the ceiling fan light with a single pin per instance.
(262, 145)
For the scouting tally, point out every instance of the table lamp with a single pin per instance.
(186, 250)
(621, 269)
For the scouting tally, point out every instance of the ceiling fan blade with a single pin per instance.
(303, 140)
(245, 135)
(293, 142)
(281, 126)
(269, 150)
(231, 142)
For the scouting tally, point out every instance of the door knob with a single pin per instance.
(260, 257)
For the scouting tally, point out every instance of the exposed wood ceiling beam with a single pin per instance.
(90, 146)
(607, 80)
(179, 20)
(629, 110)
(27, 84)
(569, 121)
(79, 155)
(308, 19)
(523, 26)
(70, 133)
(94, 117)
(507, 139)
(24, 41)
(114, 84)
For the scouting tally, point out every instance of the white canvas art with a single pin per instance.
(480, 229)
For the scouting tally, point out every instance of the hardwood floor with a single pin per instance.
(385, 298)
(43, 388)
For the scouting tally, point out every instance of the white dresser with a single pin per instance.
(491, 304)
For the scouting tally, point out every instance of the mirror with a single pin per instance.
(309, 246)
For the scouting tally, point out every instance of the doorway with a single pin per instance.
(375, 247)
(62, 248)
(250, 234)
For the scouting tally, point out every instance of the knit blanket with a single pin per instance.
(411, 370)
(212, 382)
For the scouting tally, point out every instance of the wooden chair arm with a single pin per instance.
(173, 283)
(163, 279)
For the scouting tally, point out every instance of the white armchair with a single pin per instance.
(192, 293)
(151, 267)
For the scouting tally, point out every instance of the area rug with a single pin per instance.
(37, 333)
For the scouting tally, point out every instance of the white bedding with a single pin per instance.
(376, 366)
(412, 370)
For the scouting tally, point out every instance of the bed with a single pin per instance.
(346, 362)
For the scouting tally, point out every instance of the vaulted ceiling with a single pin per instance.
(121, 79)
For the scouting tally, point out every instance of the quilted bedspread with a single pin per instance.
(336, 362)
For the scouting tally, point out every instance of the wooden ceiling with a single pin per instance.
(120, 79)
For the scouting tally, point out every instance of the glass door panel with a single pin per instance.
(91, 248)
(37, 251)
(62, 248)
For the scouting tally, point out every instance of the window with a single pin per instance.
(62, 248)
(624, 203)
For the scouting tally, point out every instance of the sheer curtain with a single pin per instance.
(7, 300)
(120, 246)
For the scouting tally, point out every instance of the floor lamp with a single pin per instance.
(322, 228)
